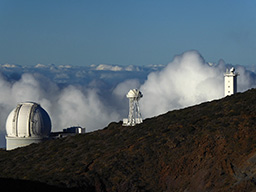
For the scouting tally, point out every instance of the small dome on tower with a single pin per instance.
(27, 123)
(134, 93)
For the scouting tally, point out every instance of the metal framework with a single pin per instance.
(134, 116)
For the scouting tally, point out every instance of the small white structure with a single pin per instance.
(230, 82)
(27, 123)
(134, 116)
(75, 129)
(68, 132)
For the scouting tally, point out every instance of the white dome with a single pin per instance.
(28, 120)
(134, 93)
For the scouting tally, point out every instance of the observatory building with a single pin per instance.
(134, 116)
(27, 123)
(230, 82)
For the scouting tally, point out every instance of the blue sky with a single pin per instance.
(131, 32)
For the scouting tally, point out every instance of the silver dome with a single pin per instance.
(28, 120)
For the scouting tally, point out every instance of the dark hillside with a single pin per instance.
(208, 147)
(12, 185)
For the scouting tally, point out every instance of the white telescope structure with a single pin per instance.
(134, 116)
(28, 123)
(230, 82)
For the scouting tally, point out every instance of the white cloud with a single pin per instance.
(105, 67)
(41, 66)
(84, 109)
(187, 80)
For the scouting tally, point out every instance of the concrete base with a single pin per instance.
(15, 142)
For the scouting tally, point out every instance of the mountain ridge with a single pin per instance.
(206, 147)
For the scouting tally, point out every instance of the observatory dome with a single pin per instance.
(27, 123)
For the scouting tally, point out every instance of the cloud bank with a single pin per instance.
(187, 80)
(94, 96)
(68, 106)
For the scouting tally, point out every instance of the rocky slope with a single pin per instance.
(208, 147)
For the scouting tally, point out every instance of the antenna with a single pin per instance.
(134, 116)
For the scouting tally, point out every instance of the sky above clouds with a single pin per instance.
(132, 32)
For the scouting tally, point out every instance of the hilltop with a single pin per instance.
(207, 147)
